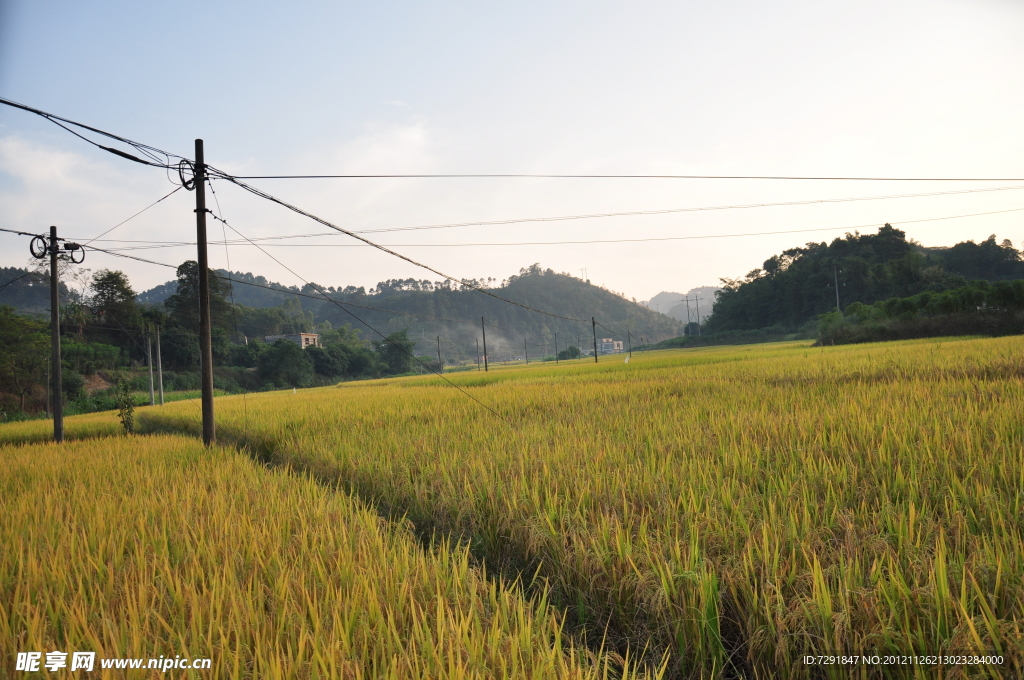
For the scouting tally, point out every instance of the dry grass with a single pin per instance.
(738, 507)
(150, 546)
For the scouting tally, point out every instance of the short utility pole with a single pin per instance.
(149, 363)
(205, 340)
(57, 389)
(593, 326)
(483, 329)
(159, 366)
(440, 366)
(630, 341)
(835, 273)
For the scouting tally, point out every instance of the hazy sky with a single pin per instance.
(917, 89)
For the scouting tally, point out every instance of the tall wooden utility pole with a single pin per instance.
(483, 329)
(205, 341)
(57, 383)
(593, 326)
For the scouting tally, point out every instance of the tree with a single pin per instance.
(24, 351)
(113, 300)
(330, 361)
(395, 351)
(286, 364)
(180, 348)
(571, 352)
(183, 306)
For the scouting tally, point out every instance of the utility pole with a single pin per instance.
(526, 352)
(835, 273)
(205, 340)
(440, 366)
(630, 341)
(149, 362)
(696, 301)
(477, 353)
(593, 326)
(58, 392)
(159, 366)
(483, 329)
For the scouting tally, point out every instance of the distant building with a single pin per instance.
(609, 346)
(301, 339)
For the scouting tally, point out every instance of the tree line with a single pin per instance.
(792, 289)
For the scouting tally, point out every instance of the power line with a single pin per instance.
(602, 215)
(386, 338)
(305, 295)
(545, 176)
(466, 283)
(16, 278)
(132, 217)
(149, 151)
(164, 244)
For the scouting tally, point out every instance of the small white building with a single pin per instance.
(609, 346)
(303, 340)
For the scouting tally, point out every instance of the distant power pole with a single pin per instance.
(205, 339)
(630, 341)
(687, 301)
(149, 363)
(835, 273)
(696, 301)
(526, 352)
(484, 330)
(159, 367)
(593, 326)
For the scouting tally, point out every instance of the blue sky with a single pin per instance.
(804, 88)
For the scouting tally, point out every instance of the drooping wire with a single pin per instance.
(466, 283)
(175, 190)
(16, 278)
(163, 244)
(234, 309)
(149, 151)
(385, 338)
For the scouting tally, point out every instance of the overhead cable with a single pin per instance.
(386, 338)
(466, 283)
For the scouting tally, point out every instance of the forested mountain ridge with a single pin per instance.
(545, 290)
(406, 301)
(794, 287)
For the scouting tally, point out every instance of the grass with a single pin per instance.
(735, 507)
(154, 546)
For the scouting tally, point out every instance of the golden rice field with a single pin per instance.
(154, 546)
(730, 510)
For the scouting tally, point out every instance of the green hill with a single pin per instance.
(796, 286)
(456, 312)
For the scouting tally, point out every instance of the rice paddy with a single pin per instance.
(724, 511)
